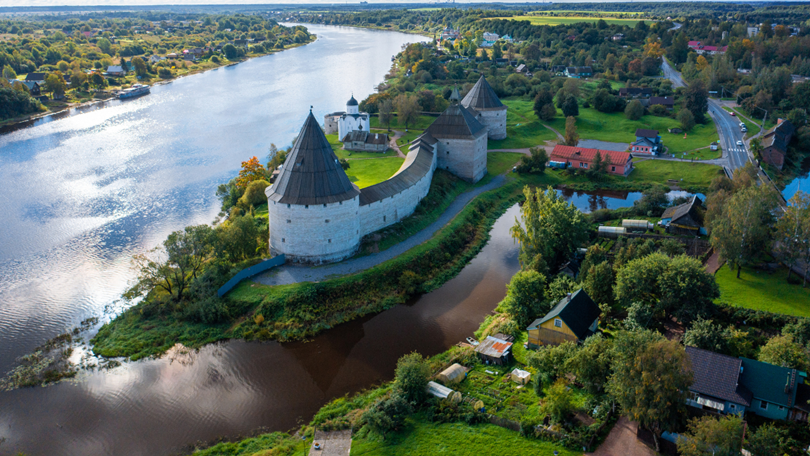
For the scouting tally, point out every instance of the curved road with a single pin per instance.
(728, 127)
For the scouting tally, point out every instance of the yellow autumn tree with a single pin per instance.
(701, 63)
(653, 48)
(251, 170)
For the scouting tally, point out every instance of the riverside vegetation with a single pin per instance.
(75, 50)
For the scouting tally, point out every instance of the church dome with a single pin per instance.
(351, 102)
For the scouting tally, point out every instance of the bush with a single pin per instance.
(658, 110)
(687, 119)
(254, 194)
(412, 377)
(165, 73)
(634, 110)
(387, 415)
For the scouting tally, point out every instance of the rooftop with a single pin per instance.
(493, 347)
(563, 153)
(577, 310)
(717, 376)
(481, 96)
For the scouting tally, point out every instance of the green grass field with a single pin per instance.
(421, 437)
(367, 172)
(566, 20)
(762, 291)
(403, 141)
(523, 128)
(688, 175)
(501, 162)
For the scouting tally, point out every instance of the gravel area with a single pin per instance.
(292, 273)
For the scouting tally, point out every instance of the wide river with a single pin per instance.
(82, 193)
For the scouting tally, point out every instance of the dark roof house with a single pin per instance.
(311, 174)
(645, 92)
(36, 77)
(686, 218)
(716, 376)
(574, 318)
(644, 133)
(667, 102)
(775, 142)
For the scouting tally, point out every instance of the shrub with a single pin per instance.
(412, 377)
(634, 110)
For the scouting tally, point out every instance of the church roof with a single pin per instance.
(481, 96)
(351, 102)
(311, 174)
(456, 122)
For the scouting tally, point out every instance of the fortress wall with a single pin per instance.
(390, 210)
(316, 233)
(495, 121)
(330, 124)
(465, 158)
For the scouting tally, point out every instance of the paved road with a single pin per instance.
(728, 127)
(292, 273)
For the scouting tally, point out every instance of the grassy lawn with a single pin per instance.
(421, 124)
(421, 437)
(687, 174)
(762, 291)
(702, 154)
(501, 162)
(523, 128)
(615, 127)
(565, 20)
(367, 172)
(403, 141)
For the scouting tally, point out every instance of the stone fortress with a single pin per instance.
(317, 215)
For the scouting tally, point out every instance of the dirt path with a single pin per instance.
(714, 263)
(622, 441)
(560, 137)
(392, 142)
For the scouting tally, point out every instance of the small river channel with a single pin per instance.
(82, 193)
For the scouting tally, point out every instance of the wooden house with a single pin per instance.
(494, 351)
(686, 218)
(574, 319)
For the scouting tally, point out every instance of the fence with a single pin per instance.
(250, 272)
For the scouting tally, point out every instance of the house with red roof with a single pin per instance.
(619, 163)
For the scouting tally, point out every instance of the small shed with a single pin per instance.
(493, 350)
(521, 376)
(713, 146)
(641, 225)
(438, 390)
(453, 374)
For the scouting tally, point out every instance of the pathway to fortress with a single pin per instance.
(292, 273)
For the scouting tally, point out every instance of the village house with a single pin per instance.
(33, 87)
(363, 141)
(619, 163)
(618, 37)
(490, 36)
(635, 92)
(667, 102)
(686, 218)
(701, 49)
(573, 319)
(39, 78)
(494, 350)
(647, 142)
(723, 384)
(775, 142)
(450, 34)
(579, 72)
(116, 71)
(558, 69)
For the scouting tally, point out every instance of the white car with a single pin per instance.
(739, 143)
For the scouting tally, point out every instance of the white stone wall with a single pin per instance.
(349, 123)
(495, 121)
(379, 214)
(330, 124)
(315, 233)
(465, 158)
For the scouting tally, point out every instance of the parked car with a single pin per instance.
(732, 114)
(739, 143)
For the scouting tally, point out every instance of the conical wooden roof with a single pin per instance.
(456, 122)
(481, 96)
(311, 174)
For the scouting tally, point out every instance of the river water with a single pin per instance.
(82, 193)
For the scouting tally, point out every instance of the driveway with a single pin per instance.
(622, 441)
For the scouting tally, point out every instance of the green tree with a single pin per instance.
(634, 110)
(686, 119)
(707, 335)
(709, 435)
(741, 231)
(770, 440)
(571, 135)
(387, 414)
(55, 84)
(559, 403)
(238, 239)
(592, 364)
(599, 166)
(550, 361)
(551, 227)
(407, 107)
(411, 378)
(9, 73)
(173, 266)
(386, 109)
(650, 380)
(792, 236)
(696, 99)
(570, 107)
(231, 53)
(525, 297)
(544, 105)
(534, 163)
(599, 283)
(105, 45)
(140, 66)
(785, 352)
(497, 53)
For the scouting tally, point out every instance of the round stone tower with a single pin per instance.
(312, 206)
(492, 113)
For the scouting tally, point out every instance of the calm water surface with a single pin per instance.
(82, 193)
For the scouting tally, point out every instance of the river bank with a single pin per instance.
(9, 125)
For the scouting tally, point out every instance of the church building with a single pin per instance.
(346, 122)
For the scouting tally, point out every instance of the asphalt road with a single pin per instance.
(728, 127)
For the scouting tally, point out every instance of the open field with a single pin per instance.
(565, 20)
(687, 174)
(523, 128)
(501, 162)
(367, 172)
(421, 437)
(762, 291)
